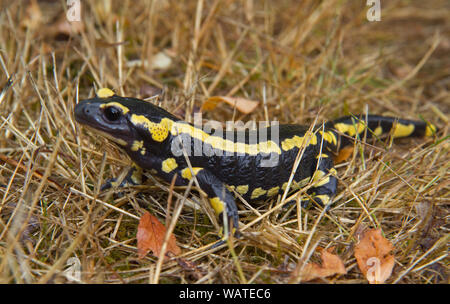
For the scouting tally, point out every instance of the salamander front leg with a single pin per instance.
(133, 178)
(220, 198)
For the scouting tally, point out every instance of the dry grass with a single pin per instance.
(313, 59)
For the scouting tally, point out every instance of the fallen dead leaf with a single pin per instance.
(33, 18)
(243, 105)
(373, 256)
(150, 237)
(343, 154)
(331, 265)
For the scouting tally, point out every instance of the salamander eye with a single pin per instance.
(112, 113)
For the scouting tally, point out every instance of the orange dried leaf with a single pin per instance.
(331, 265)
(243, 105)
(344, 154)
(33, 18)
(150, 237)
(373, 256)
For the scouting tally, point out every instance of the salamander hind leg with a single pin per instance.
(220, 198)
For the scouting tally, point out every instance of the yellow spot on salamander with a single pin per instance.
(297, 141)
(258, 192)
(187, 174)
(273, 191)
(137, 144)
(430, 130)
(105, 93)
(378, 131)
(136, 176)
(324, 198)
(158, 130)
(329, 137)
(322, 155)
(169, 165)
(123, 108)
(217, 204)
(319, 180)
(350, 129)
(242, 189)
(401, 130)
(300, 184)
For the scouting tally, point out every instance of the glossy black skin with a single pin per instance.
(233, 169)
(229, 169)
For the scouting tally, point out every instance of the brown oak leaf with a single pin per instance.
(373, 256)
(150, 237)
(243, 105)
(331, 265)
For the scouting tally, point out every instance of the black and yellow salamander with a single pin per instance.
(255, 164)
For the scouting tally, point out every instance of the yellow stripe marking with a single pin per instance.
(273, 191)
(224, 144)
(401, 130)
(105, 93)
(258, 192)
(169, 165)
(160, 131)
(242, 189)
(123, 108)
(297, 141)
(350, 129)
(217, 204)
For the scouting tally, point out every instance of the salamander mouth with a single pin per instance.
(81, 119)
(107, 135)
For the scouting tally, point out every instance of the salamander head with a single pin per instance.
(124, 120)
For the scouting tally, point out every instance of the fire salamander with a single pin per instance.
(254, 164)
